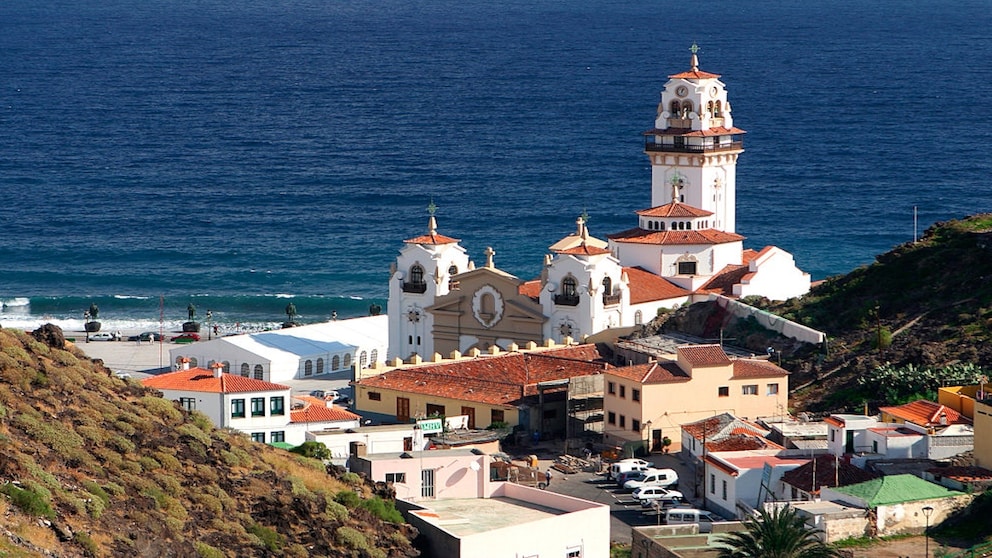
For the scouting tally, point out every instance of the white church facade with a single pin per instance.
(682, 249)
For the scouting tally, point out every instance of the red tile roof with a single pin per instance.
(689, 132)
(926, 413)
(700, 236)
(316, 410)
(501, 379)
(703, 355)
(963, 473)
(584, 250)
(646, 286)
(755, 368)
(694, 74)
(432, 239)
(530, 289)
(652, 373)
(829, 471)
(720, 426)
(723, 282)
(203, 380)
(674, 209)
(741, 442)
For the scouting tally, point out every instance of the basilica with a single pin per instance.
(683, 249)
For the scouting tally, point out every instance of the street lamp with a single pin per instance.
(927, 512)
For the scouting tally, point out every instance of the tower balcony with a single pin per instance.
(409, 287)
(611, 299)
(653, 145)
(567, 299)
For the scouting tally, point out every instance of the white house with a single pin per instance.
(738, 481)
(265, 411)
(293, 353)
(449, 497)
(388, 438)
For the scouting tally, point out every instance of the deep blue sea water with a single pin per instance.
(240, 155)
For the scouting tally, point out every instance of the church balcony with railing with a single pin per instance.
(611, 299)
(410, 287)
(567, 299)
(651, 143)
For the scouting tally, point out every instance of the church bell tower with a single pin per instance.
(693, 147)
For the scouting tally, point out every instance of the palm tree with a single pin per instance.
(780, 533)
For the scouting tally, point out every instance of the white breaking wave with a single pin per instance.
(16, 302)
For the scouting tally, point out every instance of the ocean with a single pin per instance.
(243, 155)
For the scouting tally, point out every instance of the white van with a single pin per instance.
(689, 516)
(623, 466)
(654, 477)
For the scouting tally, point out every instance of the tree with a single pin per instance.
(780, 533)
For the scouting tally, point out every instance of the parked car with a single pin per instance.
(633, 474)
(688, 516)
(187, 337)
(147, 336)
(658, 477)
(102, 336)
(648, 495)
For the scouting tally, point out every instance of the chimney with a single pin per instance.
(357, 449)
(184, 363)
(218, 368)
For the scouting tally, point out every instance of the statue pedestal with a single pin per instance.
(191, 327)
(92, 327)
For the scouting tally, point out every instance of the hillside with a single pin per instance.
(92, 465)
(930, 302)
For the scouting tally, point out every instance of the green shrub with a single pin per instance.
(29, 501)
(204, 550)
(162, 408)
(351, 538)
(316, 450)
(89, 545)
(351, 478)
(337, 510)
(383, 509)
(194, 432)
(95, 489)
(202, 421)
(271, 540)
(168, 461)
(347, 498)
(149, 463)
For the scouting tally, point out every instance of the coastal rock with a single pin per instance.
(50, 335)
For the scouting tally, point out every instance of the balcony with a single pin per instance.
(652, 145)
(414, 287)
(567, 299)
(611, 300)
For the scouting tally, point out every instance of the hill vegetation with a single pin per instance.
(92, 465)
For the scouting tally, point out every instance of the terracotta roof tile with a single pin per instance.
(674, 209)
(701, 236)
(531, 289)
(501, 379)
(741, 441)
(316, 410)
(926, 413)
(203, 380)
(963, 473)
(723, 282)
(720, 426)
(694, 74)
(584, 250)
(703, 355)
(652, 373)
(432, 239)
(646, 286)
(755, 368)
(829, 472)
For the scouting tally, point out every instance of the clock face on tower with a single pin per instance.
(714, 91)
(681, 91)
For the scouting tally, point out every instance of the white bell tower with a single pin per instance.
(694, 146)
(422, 272)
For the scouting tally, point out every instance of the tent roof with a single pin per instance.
(896, 489)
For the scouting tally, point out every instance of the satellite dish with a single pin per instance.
(474, 466)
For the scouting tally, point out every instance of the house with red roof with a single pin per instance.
(267, 412)
(681, 249)
(527, 388)
(734, 483)
(646, 403)
(916, 430)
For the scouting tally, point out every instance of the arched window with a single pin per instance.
(320, 366)
(192, 362)
(179, 363)
(308, 368)
(227, 367)
(259, 372)
(607, 286)
(638, 318)
(335, 362)
(709, 108)
(417, 274)
(363, 360)
(452, 271)
(569, 287)
(718, 110)
(686, 108)
(245, 369)
(676, 109)
(662, 225)
(375, 356)
(347, 360)
(688, 225)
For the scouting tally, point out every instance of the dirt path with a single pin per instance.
(914, 547)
